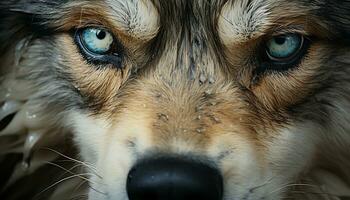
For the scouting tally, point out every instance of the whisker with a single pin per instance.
(81, 196)
(77, 165)
(262, 185)
(292, 185)
(80, 185)
(85, 179)
(314, 193)
(69, 158)
(68, 171)
(89, 166)
(89, 185)
(57, 183)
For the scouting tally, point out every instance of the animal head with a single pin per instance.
(220, 99)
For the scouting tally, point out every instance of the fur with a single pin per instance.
(189, 86)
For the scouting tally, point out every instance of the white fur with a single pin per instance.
(105, 146)
(240, 22)
(136, 18)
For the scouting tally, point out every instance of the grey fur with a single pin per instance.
(191, 66)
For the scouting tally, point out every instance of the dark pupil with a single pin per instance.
(101, 35)
(280, 40)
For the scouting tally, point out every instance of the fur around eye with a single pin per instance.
(99, 47)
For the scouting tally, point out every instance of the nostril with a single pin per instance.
(174, 179)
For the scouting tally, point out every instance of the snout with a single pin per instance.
(174, 179)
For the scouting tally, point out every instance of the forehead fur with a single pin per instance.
(242, 20)
(138, 19)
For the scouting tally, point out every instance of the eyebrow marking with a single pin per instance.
(136, 18)
(242, 20)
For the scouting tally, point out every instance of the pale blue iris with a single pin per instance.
(284, 46)
(96, 40)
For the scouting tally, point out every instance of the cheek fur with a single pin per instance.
(180, 93)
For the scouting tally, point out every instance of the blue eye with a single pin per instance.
(99, 47)
(284, 47)
(97, 41)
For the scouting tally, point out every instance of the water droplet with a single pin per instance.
(77, 87)
(31, 116)
(199, 108)
(163, 117)
(208, 92)
(25, 165)
(158, 95)
(217, 120)
(202, 78)
(200, 130)
(211, 80)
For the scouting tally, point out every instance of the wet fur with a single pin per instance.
(190, 85)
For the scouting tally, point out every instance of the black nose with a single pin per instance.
(174, 179)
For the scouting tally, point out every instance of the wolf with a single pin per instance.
(191, 99)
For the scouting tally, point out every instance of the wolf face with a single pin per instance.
(233, 100)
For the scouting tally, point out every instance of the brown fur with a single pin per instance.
(191, 79)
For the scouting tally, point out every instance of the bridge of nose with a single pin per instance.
(186, 47)
(187, 88)
(189, 80)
